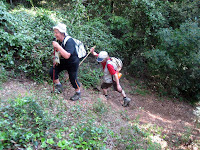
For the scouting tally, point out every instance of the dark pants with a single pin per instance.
(72, 70)
(107, 85)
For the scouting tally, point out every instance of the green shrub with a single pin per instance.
(6, 31)
(26, 45)
(100, 107)
(90, 136)
(96, 33)
(90, 77)
(83, 135)
(3, 75)
(138, 32)
(176, 63)
(177, 12)
(35, 38)
(22, 123)
(98, 8)
(26, 41)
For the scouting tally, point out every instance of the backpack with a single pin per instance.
(80, 49)
(117, 62)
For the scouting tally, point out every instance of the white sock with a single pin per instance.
(79, 91)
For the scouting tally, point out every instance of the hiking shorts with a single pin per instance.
(107, 85)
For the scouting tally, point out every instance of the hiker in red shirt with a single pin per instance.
(110, 77)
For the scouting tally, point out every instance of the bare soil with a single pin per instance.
(174, 119)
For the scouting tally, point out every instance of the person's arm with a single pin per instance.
(116, 78)
(93, 52)
(119, 88)
(59, 48)
(114, 74)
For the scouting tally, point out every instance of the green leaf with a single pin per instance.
(50, 141)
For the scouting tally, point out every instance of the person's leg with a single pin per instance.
(57, 81)
(105, 91)
(58, 69)
(104, 87)
(122, 92)
(76, 86)
(57, 84)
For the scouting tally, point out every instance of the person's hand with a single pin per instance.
(92, 49)
(55, 45)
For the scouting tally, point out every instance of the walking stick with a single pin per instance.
(86, 56)
(54, 68)
(82, 60)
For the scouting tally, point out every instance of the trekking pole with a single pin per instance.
(86, 56)
(54, 68)
(83, 60)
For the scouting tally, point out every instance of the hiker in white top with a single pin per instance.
(110, 77)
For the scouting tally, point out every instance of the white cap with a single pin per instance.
(61, 27)
(102, 55)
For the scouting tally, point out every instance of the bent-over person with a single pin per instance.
(110, 77)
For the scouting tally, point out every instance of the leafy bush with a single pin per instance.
(3, 75)
(96, 33)
(98, 8)
(84, 135)
(137, 29)
(90, 136)
(27, 46)
(177, 12)
(22, 123)
(25, 41)
(175, 64)
(90, 77)
(100, 108)
(6, 29)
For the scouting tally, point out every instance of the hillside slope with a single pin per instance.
(170, 122)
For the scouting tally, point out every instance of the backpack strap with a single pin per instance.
(117, 62)
(66, 39)
(112, 63)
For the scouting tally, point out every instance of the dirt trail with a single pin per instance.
(176, 118)
(172, 117)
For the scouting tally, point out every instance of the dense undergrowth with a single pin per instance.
(45, 122)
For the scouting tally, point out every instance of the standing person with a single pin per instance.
(68, 60)
(110, 77)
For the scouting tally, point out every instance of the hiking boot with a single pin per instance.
(126, 101)
(77, 96)
(58, 88)
(106, 97)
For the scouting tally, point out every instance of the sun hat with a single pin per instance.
(61, 27)
(102, 55)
